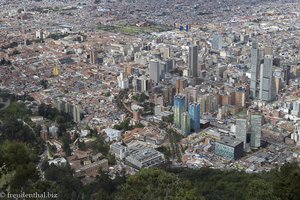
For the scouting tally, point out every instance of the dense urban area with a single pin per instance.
(150, 99)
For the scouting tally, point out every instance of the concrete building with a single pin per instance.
(296, 135)
(119, 150)
(256, 124)
(145, 158)
(255, 64)
(141, 84)
(241, 131)
(267, 81)
(123, 81)
(229, 148)
(154, 71)
(181, 84)
(193, 61)
(112, 134)
(296, 108)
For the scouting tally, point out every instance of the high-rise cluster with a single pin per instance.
(262, 84)
(188, 120)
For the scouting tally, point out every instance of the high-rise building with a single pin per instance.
(123, 81)
(287, 74)
(76, 114)
(179, 108)
(141, 84)
(296, 108)
(241, 130)
(168, 95)
(296, 135)
(256, 123)
(240, 98)
(154, 71)
(193, 61)
(185, 124)
(217, 42)
(181, 84)
(255, 63)
(194, 110)
(267, 81)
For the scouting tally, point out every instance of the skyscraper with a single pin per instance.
(193, 61)
(154, 71)
(267, 81)
(255, 63)
(256, 123)
(241, 130)
(287, 74)
(179, 108)
(185, 124)
(194, 110)
(181, 84)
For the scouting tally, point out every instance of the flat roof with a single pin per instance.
(229, 141)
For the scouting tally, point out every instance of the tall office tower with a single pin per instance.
(267, 81)
(217, 42)
(92, 56)
(154, 71)
(193, 61)
(194, 110)
(296, 135)
(168, 95)
(179, 108)
(287, 74)
(181, 84)
(185, 124)
(255, 63)
(76, 114)
(141, 84)
(241, 130)
(256, 123)
(296, 108)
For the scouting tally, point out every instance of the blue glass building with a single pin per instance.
(179, 108)
(194, 110)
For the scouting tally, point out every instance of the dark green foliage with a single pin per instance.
(140, 97)
(100, 146)
(165, 150)
(66, 140)
(68, 186)
(156, 184)
(107, 94)
(287, 182)
(125, 125)
(18, 162)
(111, 159)
(168, 119)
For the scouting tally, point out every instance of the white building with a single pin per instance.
(296, 135)
(119, 150)
(112, 134)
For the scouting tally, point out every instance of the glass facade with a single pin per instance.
(194, 110)
(179, 108)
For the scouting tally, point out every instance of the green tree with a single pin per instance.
(260, 190)
(151, 184)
